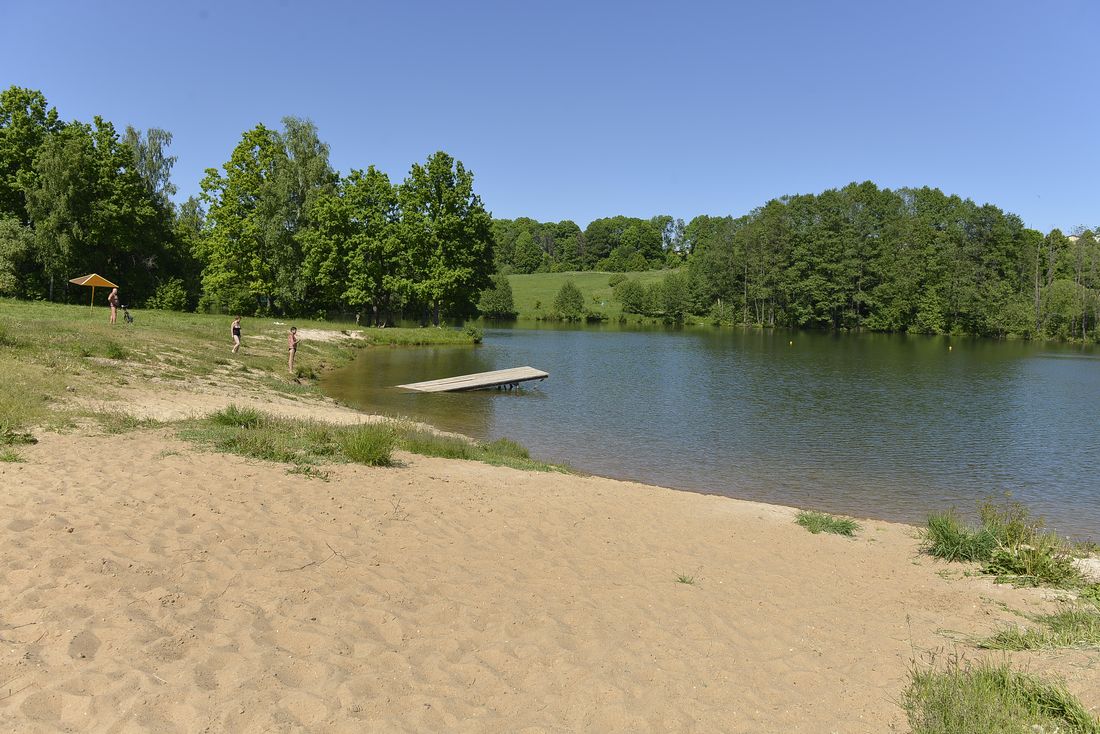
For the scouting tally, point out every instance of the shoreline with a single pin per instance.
(156, 585)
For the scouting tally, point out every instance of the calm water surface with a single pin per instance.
(870, 425)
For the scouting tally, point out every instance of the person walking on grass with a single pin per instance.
(112, 301)
(235, 330)
(292, 348)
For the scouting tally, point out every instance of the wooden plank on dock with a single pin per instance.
(496, 378)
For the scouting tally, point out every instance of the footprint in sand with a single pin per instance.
(84, 646)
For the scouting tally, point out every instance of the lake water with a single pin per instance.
(886, 426)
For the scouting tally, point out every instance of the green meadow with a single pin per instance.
(534, 294)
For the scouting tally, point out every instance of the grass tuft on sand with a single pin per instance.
(1074, 627)
(820, 522)
(990, 698)
(370, 444)
(251, 433)
(502, 452)
(1010, 543)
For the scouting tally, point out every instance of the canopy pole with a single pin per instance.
(93, 297)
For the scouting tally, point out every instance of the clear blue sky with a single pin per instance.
(570, 110)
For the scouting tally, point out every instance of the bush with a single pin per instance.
(169, 296)
(722, 313)
(496, 301)
(475, 333)
(632, 295)
(370, 444)
(569, 303)
(615, 279)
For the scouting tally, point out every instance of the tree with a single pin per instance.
(447, 234)
(496, 301)
(25, 124)
(16, 247)
(527, 256)
(152, 162)
(352, 254)
(632, 295)
(569, 302)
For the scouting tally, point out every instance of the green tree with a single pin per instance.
(353, 256)
(447, 233)
(569, 302)
(632, 295)
(16, 249)
(25, 124)
(527, 256)
(152, 162)
(496, 301)
(239, 246)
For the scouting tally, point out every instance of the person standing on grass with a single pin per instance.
(292, 348)
(235, 330)
(112, 301)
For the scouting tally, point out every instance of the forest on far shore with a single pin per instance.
(277, 230)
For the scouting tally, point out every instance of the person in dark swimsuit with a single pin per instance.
(236, 331)
(112, 301)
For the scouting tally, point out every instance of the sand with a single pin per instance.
(150, 586)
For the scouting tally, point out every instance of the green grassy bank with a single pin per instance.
(48, 350)
(534, 294)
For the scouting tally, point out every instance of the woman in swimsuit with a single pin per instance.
(235, 330)
(292, 348)
(112, 300)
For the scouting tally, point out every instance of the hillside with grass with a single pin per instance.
(534, 294)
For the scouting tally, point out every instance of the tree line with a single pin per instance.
(276, 230)
(855, 258)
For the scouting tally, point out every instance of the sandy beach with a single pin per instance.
(152, 586)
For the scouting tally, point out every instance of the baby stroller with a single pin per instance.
(126, 315)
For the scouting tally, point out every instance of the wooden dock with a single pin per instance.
(497, 378)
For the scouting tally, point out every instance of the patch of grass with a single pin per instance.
(1027, 565)
(502, 452)
(371, 444)
(1010, 543)
(114, 351)
(1077, 627)
(685, 579)
(990, 698)
(1091, 594)
(7, 340)
(310, 472)
(237, 417)
(12, 435)
(947, 537)
(45, 348)
(411, 337)
(10, 456)
(427, 443)
(819, 522)
(120, 422)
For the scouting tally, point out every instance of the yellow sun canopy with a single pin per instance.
(93, 280)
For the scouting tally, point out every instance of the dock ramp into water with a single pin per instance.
(497, 378)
